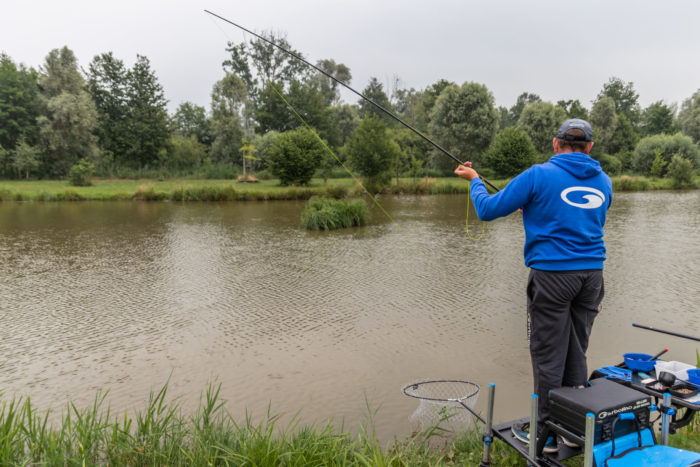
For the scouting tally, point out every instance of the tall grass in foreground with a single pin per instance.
(162, 435)
(329, 214)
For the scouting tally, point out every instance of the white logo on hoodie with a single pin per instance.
(593, 201)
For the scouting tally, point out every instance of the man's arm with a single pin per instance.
(488, 207)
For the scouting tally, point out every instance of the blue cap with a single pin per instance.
(575, 124)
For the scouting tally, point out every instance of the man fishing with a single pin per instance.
(564, 202)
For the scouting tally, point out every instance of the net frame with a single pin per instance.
(473, 393)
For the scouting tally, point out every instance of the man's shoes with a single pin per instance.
(521, 431)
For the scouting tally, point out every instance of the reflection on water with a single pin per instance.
(124, 296)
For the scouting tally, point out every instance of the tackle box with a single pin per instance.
(606, 400)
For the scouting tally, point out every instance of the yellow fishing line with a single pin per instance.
(466, 223)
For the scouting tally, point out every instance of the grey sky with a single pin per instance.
(559, 50)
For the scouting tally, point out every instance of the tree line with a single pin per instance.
(111, 119)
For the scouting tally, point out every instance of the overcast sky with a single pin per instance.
(556, 49)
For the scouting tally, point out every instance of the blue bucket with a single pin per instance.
(639, 361)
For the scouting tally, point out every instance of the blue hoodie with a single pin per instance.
(564, 203)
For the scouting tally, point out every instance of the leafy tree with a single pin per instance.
(69, 116)
(19, 103)
(4, 160)
(263, 144)
(371, 152)
(573, 109)
(689, 117)
(375, 92)
(258, 63)
(412, 145)
(512, 152)
(25, 159)
(624, 139)
(191, 120)
(228, 98)
(107, 82)
(328, 88)
(148, 116)
(522, 101)
(657, 119)
(624, 96)
(604, 123)
(665, 146)
(345, 119)
(681, 171)
(295, 156)
(464, 121)
(426, 102)
(541, 120)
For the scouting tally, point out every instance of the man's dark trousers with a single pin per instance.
(561, 306)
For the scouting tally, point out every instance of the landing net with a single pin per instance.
(448, 404)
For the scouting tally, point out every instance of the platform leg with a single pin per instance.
(533, 428)
(665, 418)
(590, 439)
(488, 434)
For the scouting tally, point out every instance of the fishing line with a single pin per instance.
(387, 112)
(357, 180)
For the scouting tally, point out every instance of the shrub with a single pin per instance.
(511, 152)
(329, 214)
(610, 164)
(81, 173)
(681, 171)
(295, 156)
(665, 146)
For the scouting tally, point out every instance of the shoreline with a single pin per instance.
(267, 190)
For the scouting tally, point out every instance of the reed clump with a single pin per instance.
(329, 214)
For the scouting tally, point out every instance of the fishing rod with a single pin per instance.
(677, 334)
(383, 109)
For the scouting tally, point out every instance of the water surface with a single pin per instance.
(126, 296)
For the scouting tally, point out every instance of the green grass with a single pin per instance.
(161, 434)
(228, 190)
(330, 214)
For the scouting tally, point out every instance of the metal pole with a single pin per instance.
(533, 428)
(666, 413)
(677, 334)
(488, 436)
(590, 438)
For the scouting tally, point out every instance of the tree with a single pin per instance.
(624, 139)
(295, 156)
(148, 116)
(371, 152)
(658, 119)
(464, 121)
(19, 104)
(228, 98)
(665, 146)
(521, 102)
(69, 116)
(541, 120)
(191, 120)
(511, 152)
(184, 152)
(25, 159)
(604, 123)
(375, 92)
(426, 102)
(573, 109)
(328, 88)
(107, 83)
(624, 96)
(689, 117)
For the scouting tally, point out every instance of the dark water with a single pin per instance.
(124, 296)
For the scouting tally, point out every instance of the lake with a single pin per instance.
(126, 296)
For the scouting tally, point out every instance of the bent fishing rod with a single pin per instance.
(380, 107)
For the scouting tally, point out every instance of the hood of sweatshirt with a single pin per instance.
(577, 164)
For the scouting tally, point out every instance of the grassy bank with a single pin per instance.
(228, 190)
(161, 434)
